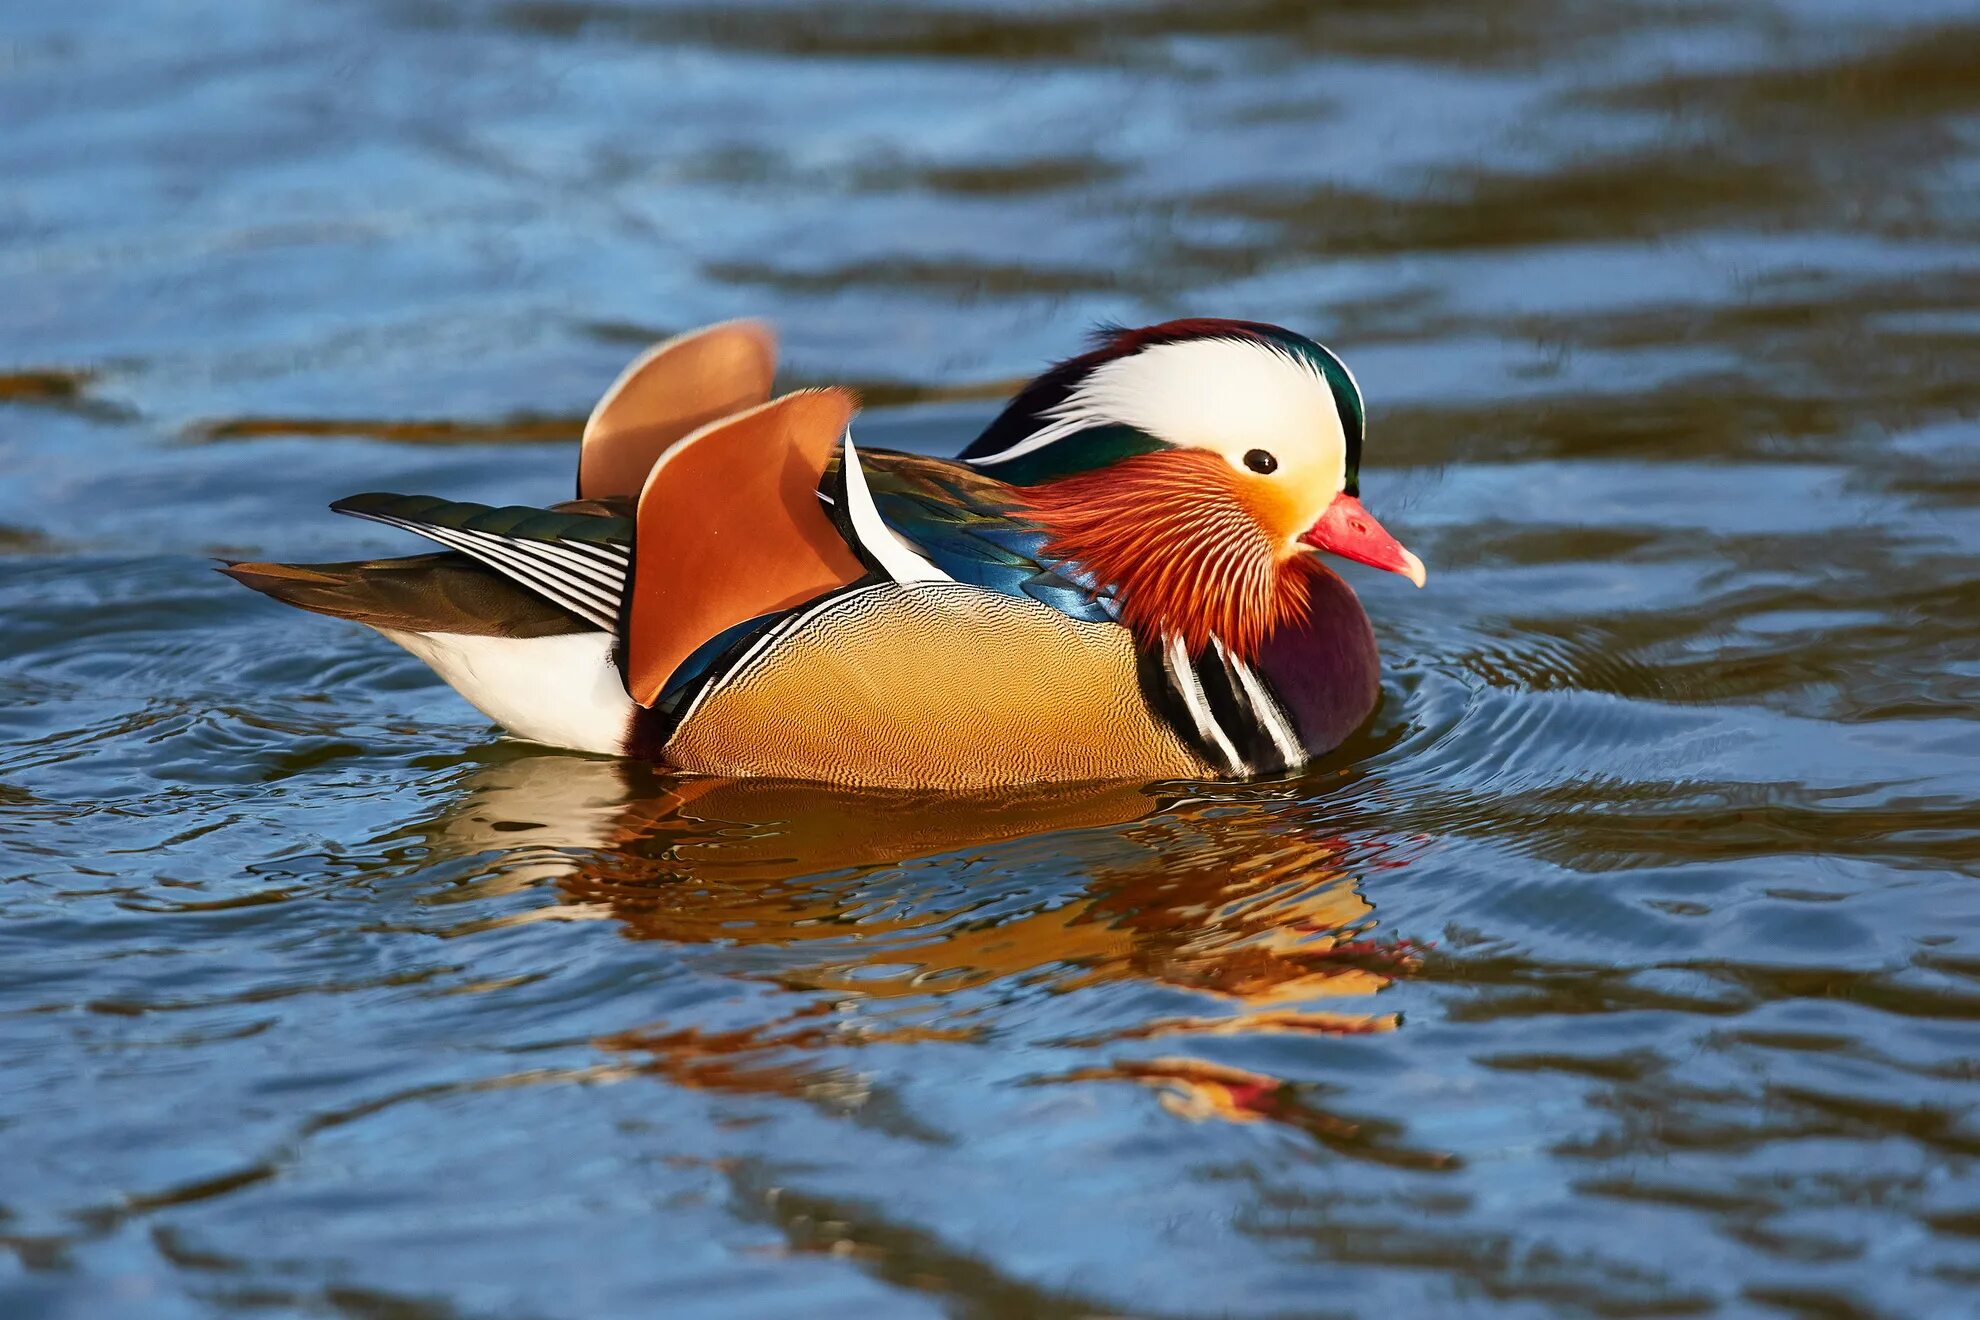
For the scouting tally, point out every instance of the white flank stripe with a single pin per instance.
(1186, 683)
(899, 560)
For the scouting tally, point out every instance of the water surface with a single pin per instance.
(1627, 964)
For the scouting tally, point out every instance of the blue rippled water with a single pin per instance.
(1628, 964)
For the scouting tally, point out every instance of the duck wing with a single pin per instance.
(729, 531)
(671, 391)
(730, 528)
(578, 560)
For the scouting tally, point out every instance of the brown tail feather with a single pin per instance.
(446, 593)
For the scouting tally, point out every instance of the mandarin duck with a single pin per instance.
(1116, 580)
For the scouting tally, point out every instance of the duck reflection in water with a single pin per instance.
(874, 907)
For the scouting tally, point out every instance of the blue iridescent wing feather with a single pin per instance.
(972, 527)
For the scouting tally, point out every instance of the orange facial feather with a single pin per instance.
(1182, 544)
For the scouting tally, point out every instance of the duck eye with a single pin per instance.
(1258, 460)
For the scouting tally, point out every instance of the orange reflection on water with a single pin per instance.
(1197, 1089)
(1174, 889)
(752, 1060)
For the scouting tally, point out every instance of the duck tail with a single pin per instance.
(446, 593)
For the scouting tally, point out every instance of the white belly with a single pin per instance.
(562, 691)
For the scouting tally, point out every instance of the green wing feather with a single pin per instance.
(517, 522)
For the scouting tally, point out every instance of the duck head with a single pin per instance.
(1194, 467)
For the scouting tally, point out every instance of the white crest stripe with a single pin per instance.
(1063, 425)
